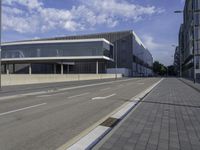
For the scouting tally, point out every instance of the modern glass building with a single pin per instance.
(58, 56)
(131, 57)
(189, 40)
(111, 52)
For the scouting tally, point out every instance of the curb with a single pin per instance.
(190, 85)
(88, 141)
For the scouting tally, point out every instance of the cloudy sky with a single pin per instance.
(152, 20)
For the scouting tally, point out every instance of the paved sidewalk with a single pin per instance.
(189, 82)
(167, 119)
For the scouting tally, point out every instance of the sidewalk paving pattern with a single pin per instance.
(167, 119)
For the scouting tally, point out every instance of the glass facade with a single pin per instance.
(125, 58)
(142, 58)
(128, 55)
(189, 38)
(94, 48)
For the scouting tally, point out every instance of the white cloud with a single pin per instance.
(35, 17)
(163, 52)
(30, 4)
(150, 43)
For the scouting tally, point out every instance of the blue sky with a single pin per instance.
(152, 20)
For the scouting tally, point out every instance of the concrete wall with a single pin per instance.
(124, 71)
(50, 78)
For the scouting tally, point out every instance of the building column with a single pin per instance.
(105, 67)
(7, 69)
(30, 69)
(13, 68)
(97, 67)
(61, 68)
(68, 69)
(54, 68)
(4, 71)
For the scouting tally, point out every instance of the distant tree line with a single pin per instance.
(162, 70)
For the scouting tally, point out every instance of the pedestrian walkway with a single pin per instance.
(189, 82)
(167, 119)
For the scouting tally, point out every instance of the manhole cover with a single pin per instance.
(110, 122)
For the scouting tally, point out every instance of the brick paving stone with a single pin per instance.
(167, 119)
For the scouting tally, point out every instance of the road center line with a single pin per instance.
(121, 85)
(25, 108)
(96, 98)
(62, 89)
(48, 95)
(140, 83)
(78, 95)
(105, 89)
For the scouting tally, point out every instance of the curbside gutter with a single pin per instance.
(89, 140)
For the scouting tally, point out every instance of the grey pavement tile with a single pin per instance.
(195, 147)
(108, 145)
(168, 118)
(151, 147)
(128, 147)
(140, 146)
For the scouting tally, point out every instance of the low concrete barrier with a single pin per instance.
(14, 79)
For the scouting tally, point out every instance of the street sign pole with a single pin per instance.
(194, 59)
(0, 41)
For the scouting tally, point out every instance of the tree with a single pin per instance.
(159, 69)
(171, 71)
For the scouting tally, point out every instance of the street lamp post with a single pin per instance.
(180, 62)
(116, 48)
(0, 42)
(194, 58)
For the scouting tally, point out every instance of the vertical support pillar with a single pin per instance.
(4, 71)
(105, 67)
(68, 69)
(13, 68)
(194, 61)
(61, 68)
(97, 67)
(7, 69)
(54, 68)
(30, 69)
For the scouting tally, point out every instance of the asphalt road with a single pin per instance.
(45, 120)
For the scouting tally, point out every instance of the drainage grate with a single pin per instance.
(110, 122)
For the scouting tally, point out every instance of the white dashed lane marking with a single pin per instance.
(25, 108)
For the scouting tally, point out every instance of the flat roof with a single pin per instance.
(56, 41)
(138, 40)
(71, 58)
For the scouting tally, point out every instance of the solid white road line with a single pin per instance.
(88, 141)
(78, 95)
(13, 111)
(105, 89)
(95, 98)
